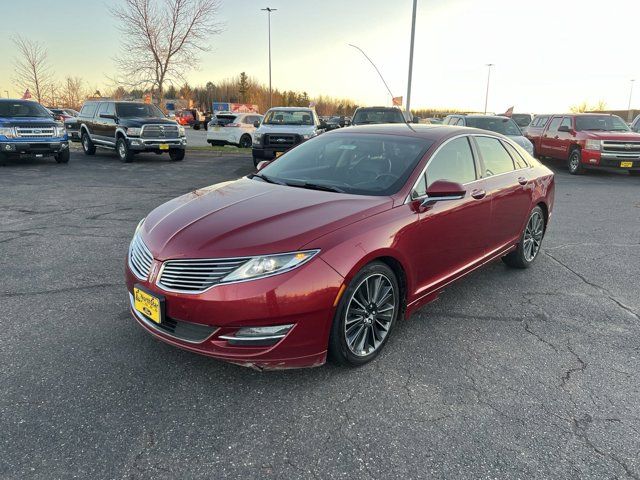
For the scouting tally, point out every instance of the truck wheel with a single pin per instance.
(87, 145)
(63, 156)
(124, 152)
(196, 126)
(176, 155)
(245, 141)
(575, 162)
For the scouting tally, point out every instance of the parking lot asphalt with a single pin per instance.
(509, 374)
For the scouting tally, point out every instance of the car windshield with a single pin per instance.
(521, 119)
(23, 109)
(362, 164)
(288, 117)
(138, 110)
(377, 115)
(606, 123)
(502, 125)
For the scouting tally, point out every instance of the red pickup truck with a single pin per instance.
(586, 140)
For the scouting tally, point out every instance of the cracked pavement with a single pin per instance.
(509, 374)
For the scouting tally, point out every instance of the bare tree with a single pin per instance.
(32, 69)
(162, 39)
(73, 92)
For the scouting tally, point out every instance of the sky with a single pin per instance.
(548, 54)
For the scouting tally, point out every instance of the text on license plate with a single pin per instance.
(164, 146)
(147, 304)
(626, 164)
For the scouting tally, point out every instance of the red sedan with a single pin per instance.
(322, 251)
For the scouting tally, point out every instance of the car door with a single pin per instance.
(564, 139)
(451, 234)
(548, 144)
(508, 184)
(99, 124)
(109, 125)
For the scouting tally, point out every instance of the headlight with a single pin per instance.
(8, 132)
(267, 265)
(181, 131)
(257, 138)
(593, 145)
(61, 131)
(134, 131)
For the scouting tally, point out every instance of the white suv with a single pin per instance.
(233, 129)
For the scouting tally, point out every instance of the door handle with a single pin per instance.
(522, 181)
(478, 194)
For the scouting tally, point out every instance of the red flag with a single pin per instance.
(508, 113)
(27, 95)
(397, 101)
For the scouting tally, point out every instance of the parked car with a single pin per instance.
(494, 123)
(523, 120)
(185, 118)
(283, 128)
(377, 115)
(27, 129)
(338, 121)
(433, 120)
(127, 127)
(326, 248)
(63, 114)
(586, 141)
(233, 129)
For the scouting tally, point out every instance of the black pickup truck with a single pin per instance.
(127, 127)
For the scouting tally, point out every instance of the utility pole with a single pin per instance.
(269, 10)
(413, 34)
(629, 116)
(7, 92)
(486, 95)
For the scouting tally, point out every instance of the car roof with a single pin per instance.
(291, 109)
(485, 116)
(427, 131)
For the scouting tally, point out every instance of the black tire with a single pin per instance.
(176, 155)
(63, 156)
(196, 126)
(245, 141)
(574, 164)
(521, 256)
(339, 349)
(88, 146)
(123, 151)
(634, 173)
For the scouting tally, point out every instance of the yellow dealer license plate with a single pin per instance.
(149, 305)
(626, 164)
(164, 146)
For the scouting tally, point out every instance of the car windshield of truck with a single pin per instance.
(521, 119)
(23, 109)
(361, 164)
(288, 117)
(138, 110)
(503, 125)
(603, 123)
(377, 115)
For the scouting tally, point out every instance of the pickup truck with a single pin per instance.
(127, 127)
(283, 128)
(586, 141)
(27, 129)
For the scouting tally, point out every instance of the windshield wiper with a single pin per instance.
(268, 179)
(317, 186)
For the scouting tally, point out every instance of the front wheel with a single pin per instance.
(176, 155)
(124, 152)
(63, 156)
(367, 312)
(575, 162)
(87, 145)
(245, 141)
(530, 241)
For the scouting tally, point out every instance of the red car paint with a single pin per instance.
(433, 245)
(617, 147)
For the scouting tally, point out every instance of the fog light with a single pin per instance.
(258, 336)
(135, 142)
(8, 147)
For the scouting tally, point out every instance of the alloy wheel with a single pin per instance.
(122, 150)
(533, 236)
(574, 162)
(369, 314)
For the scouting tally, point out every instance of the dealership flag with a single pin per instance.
(397, 101)
(27, 95)
(508, 113)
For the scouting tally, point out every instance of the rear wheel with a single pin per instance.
(87, 145)
(245, 141)
(63, 156)
(176, 155)
(124, 152)
(575, 162)
(530, 241)
(365, 316)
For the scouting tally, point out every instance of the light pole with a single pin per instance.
(374, 66)
(486, 95)
(629, 105)
(269, 10)
(413, 34)
(7, 92)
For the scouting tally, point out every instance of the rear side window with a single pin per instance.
(555, 123)
(494, 156)
(566, 122)
(88, 109)
(517, 158)
(225, 119)
(454, 162)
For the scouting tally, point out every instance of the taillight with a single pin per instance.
(232, 125)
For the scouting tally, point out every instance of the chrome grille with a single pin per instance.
(160, 131)
(35, 132)
(620, 149)
(140, 258)
(281, 140)
(194, 276)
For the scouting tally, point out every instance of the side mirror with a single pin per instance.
(256, 124)
(564, 128)
(416, 119)
(442, 190)
(262, 164)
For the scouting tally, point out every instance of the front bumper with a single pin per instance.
(203, 323)
(222, 136)
(39, 148)
(268, 153)
(595, 159)
(154, 144)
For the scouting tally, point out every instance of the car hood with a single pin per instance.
(138, 122)
(299, 129)
(620, 136)
(249, 217)
(10, 121)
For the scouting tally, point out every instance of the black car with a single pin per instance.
(127, 127)
(375, 115)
